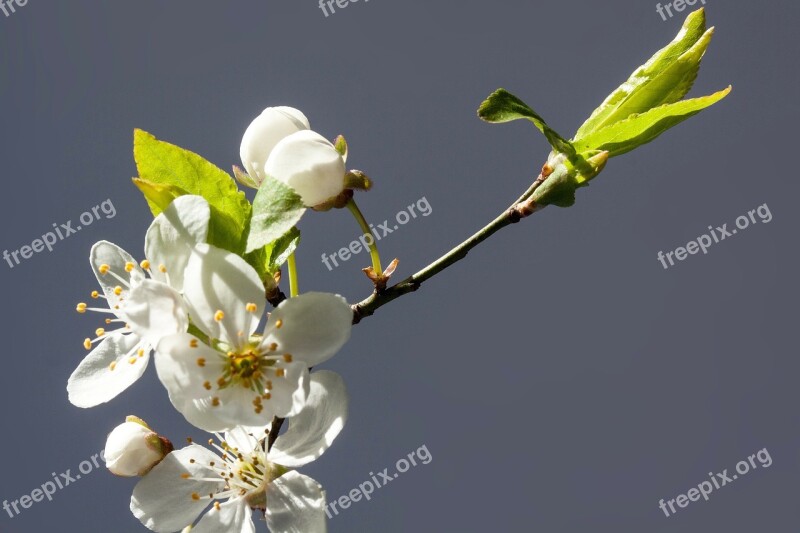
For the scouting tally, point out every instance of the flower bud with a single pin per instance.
(267, 130)
(133, 449)
(309, 164)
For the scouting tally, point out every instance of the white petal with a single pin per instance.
(234, 516)
(313, 430)
(162, 500)
(289, 393)
(295, 504)
(184, 364)
(155, 310)
(309, 164)
(217, 280)
(173, 234)
(106, 253)
(314, 326)
(94, 382)
(267, 130)
(244, 438)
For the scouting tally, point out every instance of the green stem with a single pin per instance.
(294, 288)
(373, 247)
(520, 209)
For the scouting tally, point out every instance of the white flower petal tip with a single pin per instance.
(309, 164)
(172, 236)
(264, 133)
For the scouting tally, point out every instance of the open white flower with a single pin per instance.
(242, 476)
(308, 163)
(267, 130)
(237, 378)
(147, 309)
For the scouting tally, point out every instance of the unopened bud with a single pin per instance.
(133, 449)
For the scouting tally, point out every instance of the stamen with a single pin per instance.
(251, 308)
(87, 343)
(193, 343)
(99, 332)
(145, 265)
(201, 362)
(95, 295)
(81, 308)
(162, 268)
(288, 357)
(103, 269)
(129, 267)
(218, 316)
(279, 324)
(112, 366)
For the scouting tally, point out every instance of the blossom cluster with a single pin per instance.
(230, 368)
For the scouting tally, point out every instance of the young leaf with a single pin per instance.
(165, 164)
(664, 79)
(223, 231)
(276, 210)
(278, 251)
(502, 106)
(637, 130)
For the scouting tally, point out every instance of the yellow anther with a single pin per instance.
(221, 382)
(129, 267)
(186, 476)
(133, 360)
(95, 295)
(267, 396)
(103, 269)
(81, 307)
(195, 496)
(189, 440)
(145, 264)
(140, 353)
(217, 506)
(251, 308)
(162, 268)
(87, 343)
(268, 384)
(112, 366)
(117, 290)
(218, 316)
(207, 385)
(279, 324)
(201, 362)
(273, 346)
(193, 343)
(280, 372)
(99, 332)
(288, 358)
(108, 321)
(215, 401)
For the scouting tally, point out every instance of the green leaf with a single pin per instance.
(278, 251)
(664, 79)
(223, 231)
(276, 210)
(502, 106)
(177, 169)
(158, 195)
(637, 130)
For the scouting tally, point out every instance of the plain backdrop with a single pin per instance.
(561, 379)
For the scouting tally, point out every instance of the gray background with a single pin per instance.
(561, 378)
